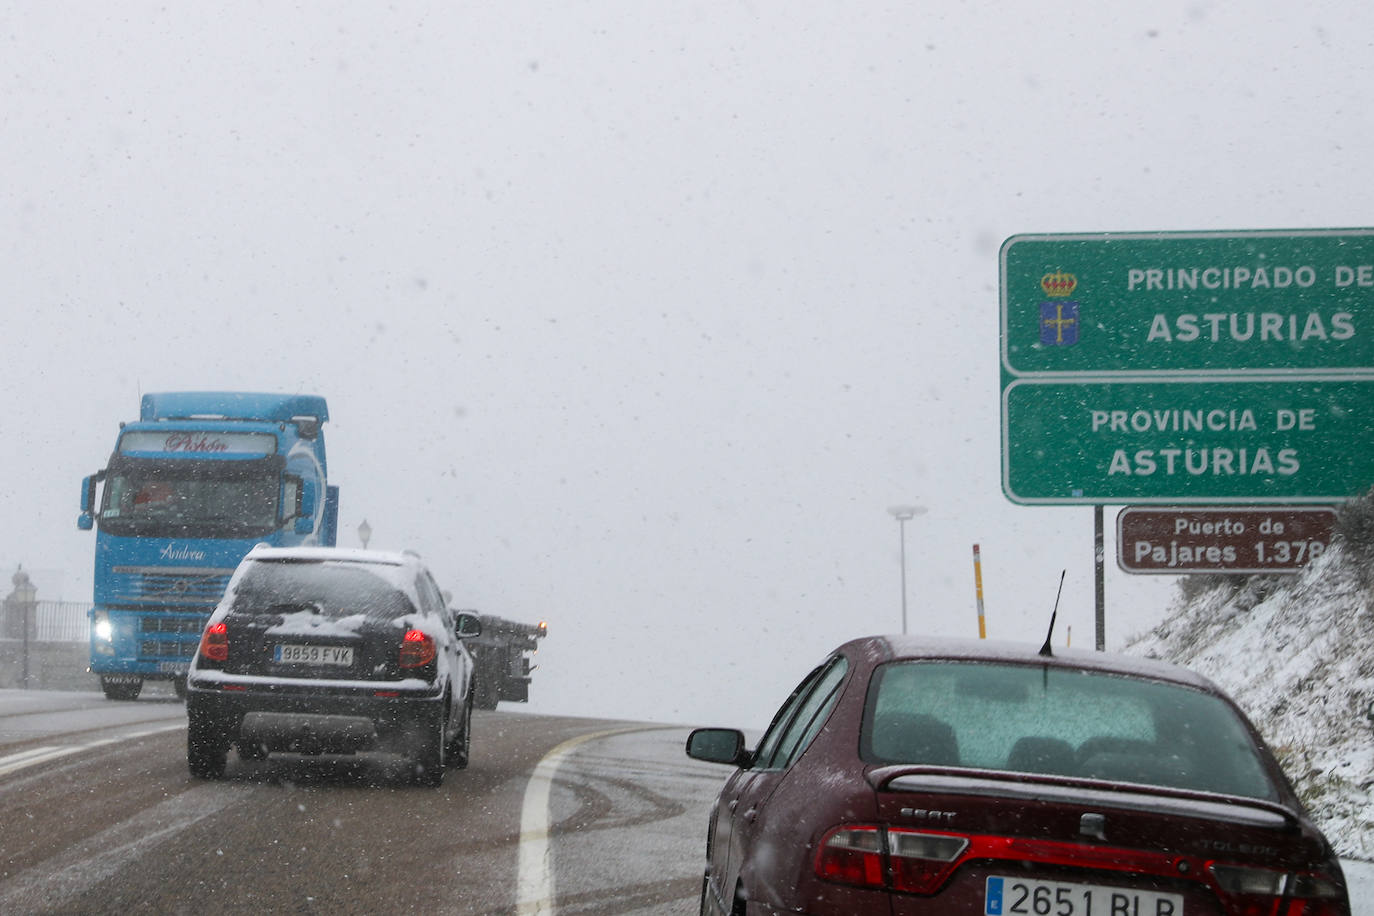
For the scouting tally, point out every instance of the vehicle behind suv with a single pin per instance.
(317, 650)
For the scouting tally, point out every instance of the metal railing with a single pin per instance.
(63, 621)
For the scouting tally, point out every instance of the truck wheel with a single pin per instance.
(179, 685)
(206, 749)
(460, 745)
(431, 751)
(486, 693)
(121, 688)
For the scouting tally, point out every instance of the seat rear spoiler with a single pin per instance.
(1067, 790)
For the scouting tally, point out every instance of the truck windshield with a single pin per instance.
(209, 499)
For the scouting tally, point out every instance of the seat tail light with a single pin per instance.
(417, 649)
(852, 855)
(923, 862)
(214, 642)
(906, 860)
(1265, 892)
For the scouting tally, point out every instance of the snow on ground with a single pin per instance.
(1359, 878)
(1297, 653)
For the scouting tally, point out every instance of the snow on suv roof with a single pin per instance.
(400, 568)
(340, 554)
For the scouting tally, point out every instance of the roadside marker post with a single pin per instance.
(978, 589)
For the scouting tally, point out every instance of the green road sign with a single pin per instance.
(1188, 302)
(1275, 440)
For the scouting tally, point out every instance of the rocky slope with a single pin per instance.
(1297, 653)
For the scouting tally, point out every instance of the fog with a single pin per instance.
(632, 318)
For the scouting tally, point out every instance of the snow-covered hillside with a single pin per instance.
(1297, 653)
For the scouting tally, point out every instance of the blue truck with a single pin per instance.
(189, 489)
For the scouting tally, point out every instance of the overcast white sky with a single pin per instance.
(631, 317)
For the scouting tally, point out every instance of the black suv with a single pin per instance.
(321, 650)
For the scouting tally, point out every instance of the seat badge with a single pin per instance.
(926, 814)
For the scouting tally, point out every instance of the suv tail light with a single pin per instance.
(417, 649)
(214, 642)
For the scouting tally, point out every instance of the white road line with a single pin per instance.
(12, 763)
(98, 857)
(534, 889)
(31, 757)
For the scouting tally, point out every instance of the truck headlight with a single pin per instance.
(103, 629)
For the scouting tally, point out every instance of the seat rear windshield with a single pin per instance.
(1060, 722)
(336, 590)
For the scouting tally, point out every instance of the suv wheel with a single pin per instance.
(460, 745)
(206, 748)
(431, 751)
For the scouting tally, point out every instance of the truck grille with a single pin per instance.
(166, 648)
(173, 625)
(168, 637)
(159, 585)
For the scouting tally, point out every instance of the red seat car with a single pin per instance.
(913, 776)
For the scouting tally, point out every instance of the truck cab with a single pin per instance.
(190, 487)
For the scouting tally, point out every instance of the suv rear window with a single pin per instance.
(333, 589)
(1060, 722)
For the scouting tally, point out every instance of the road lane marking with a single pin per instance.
(31, 757)
(12, 763)
(534, 887)
(101, 856)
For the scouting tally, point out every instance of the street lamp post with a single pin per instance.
(904, 514)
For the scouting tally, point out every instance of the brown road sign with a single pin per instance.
(1250, 539)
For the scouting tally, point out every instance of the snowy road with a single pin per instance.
(101, 817)
(561, 816)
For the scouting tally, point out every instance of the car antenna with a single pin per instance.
(1045, 649)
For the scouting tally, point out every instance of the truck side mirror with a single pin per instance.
(468, 626)
(86, 520)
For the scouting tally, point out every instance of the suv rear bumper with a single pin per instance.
(310, 718)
